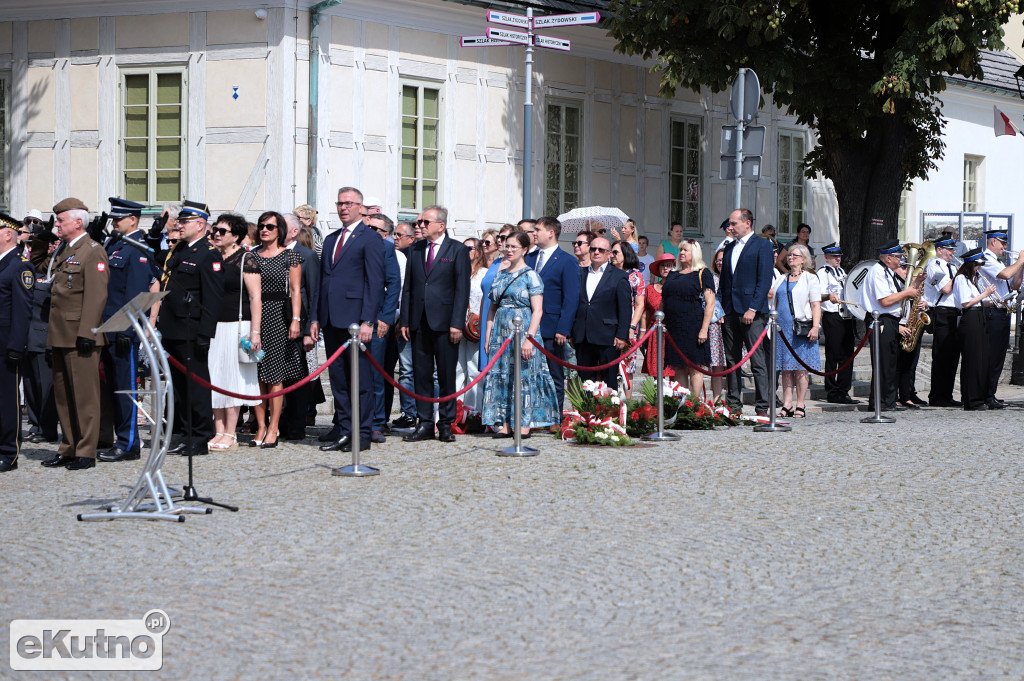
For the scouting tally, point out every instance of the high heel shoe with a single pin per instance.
(233, 444)
(787, 412)
(270, 445)
(258, 442)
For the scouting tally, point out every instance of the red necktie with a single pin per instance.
(341, 241)
(430, 257)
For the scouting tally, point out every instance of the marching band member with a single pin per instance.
(883, 294)
(972, 331)
(938, 293)
(837, 325)
(997, 317)
(906, 363)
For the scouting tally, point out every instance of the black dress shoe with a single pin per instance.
(995, 404)
(331, 436)
(894, 407)
(337, 444)
(956, 403)
(425, 431)
(502, 436)
(80, 463)
(940, 403)
(201, 450)
(58, 461)
(378, 437)
(445, 434)
(36, 438)
(363, 445)
(117, 454)
(844, 399)
(909, 405)
(8, 466)
(404, 421)
(976, 407)
(176, 447)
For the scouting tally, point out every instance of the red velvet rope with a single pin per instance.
(277, 393)
(447, 398)
(845, 364)
(717, 373)
(608, 365)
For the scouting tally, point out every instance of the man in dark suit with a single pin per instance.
(16, 281)
(747, 273)
(130, 275)
(435, 296)
(296, 403)
(605, 308)
(188, 320)
(383, 346)
(561, 276)
(351, 286)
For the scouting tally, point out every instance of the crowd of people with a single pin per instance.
(245, 306)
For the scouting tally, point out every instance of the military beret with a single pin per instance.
(70, 203)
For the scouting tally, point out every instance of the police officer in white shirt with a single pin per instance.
(837, 325)
(938, 293)
(997, 319)
(882, 294)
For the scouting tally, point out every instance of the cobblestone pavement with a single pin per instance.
(838, 551)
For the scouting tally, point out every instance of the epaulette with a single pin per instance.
(210, 246)
(24, 259)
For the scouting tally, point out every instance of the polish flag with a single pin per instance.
(1002, 123)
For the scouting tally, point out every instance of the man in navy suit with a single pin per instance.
(351, 286)
(130, 275)
(561, 276)
(747, 273)
(435, 296)
(605, 308)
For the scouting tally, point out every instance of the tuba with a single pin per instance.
(917, 256)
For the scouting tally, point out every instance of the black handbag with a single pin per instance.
(801, 327)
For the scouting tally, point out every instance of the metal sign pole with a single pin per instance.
(771, 426)
(517, 395)
(356, 470)
(876, 376)
(738, 201)
(659, 342)
(528, 124)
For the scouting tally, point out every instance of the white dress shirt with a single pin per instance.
(437, 248)
(938, 273)
(594, 278)
(990, 270)
(879, 283)
(963, 290)
(545, 257)
(738, 248)
(831, 280)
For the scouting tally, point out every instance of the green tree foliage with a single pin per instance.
(865, 75)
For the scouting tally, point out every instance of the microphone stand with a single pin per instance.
(189, 492)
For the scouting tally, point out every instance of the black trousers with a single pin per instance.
(42, 406)
(974, 369)
(888, 347)
(10, 413)
(998, 323)
(296, 407)
(945, 353)
(191, 400)
(906, 366)
(430, 350)
(588, 354)
(838, 348)
(341, 381)
(557, 370)
(736, 335)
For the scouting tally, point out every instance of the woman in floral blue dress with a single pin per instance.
(517, 290)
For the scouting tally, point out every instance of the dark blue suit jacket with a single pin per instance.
(130, 275)
(606, 316)
(442, 297)
(561, 277)
(747, 288)
(392, 286)
(351, 288)
(17, 278)
(310, 283)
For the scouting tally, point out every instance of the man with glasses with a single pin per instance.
(997, 317)
(79, 292)
(16, 282)
(435, 297)
(188, 320)
(351, 287)
(603, 314)
(130, 275)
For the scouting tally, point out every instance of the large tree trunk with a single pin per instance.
(868, 177)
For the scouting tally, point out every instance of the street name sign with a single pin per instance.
(481, 41)
(508, 36)
(567, 19)
(551, 43)
(520, 20)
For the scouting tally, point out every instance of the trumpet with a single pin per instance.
(1002, 302)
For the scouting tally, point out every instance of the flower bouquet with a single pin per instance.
(597, 415)
(467, 419)
(641, 418)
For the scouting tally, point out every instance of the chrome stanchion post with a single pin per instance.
(876, 388)
(773, 332)
(356, 470)
(517, 394)
(659, 344)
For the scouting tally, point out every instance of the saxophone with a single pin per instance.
(917, 256)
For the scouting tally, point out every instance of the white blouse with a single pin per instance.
(963, 290)
(806, 290)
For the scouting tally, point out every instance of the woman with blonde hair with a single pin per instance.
(307, 219)
(688, 301)
(797, 297)
(489, 246)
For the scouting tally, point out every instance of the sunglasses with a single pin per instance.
(268, 227)
(33, 221)
(380, 230)
(600, 231)
(173, 241)
(596, 249)
(403, 236)
(488, 242)
(580, 243)
(502, 238)
(690, 241)
(220, 231)
(424, 223)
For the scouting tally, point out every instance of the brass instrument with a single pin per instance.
(917, 256)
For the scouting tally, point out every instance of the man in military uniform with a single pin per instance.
(16, 281)
(79, 292)
(188, 320)
(130, 275)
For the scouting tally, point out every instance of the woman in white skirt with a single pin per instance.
(237, 310)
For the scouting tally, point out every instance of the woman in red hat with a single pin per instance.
(652, 303)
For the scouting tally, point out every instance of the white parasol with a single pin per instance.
(592, 218)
